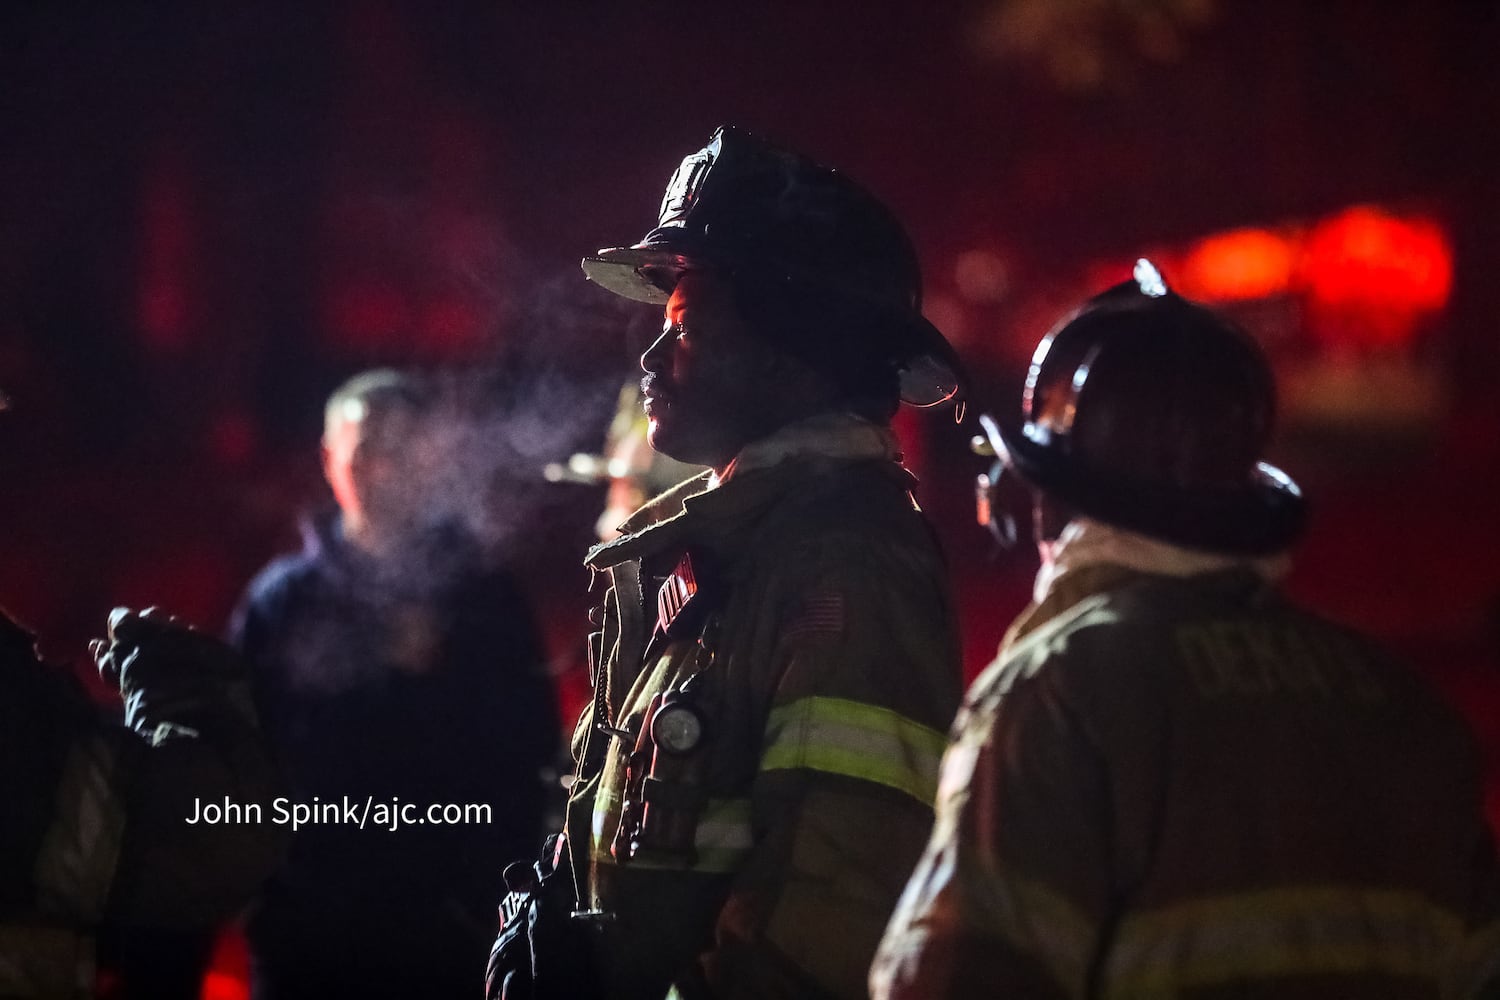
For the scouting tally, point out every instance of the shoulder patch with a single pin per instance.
(820, 614)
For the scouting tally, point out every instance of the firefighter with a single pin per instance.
(99, 843)
(1172, 782)
(775, 662)
(97, 852)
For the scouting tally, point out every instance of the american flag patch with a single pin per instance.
(820, 615)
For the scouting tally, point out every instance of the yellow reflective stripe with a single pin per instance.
(856, 740)
(1282, 932)
(720, 842)
(606, 817)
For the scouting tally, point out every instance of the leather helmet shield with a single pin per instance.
(749, 208)
(682, 189)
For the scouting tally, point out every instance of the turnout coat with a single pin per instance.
(823, 665)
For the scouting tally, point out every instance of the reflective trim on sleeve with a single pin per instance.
(856, 740)
(75, 866)
(1032, 918)
(721, 841)
(1283, 933)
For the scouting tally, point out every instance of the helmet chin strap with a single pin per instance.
(1049, 519)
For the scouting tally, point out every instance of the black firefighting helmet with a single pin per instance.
(1150, 412)
(774, 219)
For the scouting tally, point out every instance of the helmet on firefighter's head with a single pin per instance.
(1150, 412)
(776, 222)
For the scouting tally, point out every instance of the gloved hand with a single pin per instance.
(175, 680)
(541, 953)
(509, 975)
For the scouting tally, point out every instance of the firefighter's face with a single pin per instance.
(708, 376)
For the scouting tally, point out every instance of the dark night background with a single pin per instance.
(211, 214)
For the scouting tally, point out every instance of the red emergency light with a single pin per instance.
(1367, 277)
(1239, 265)
(1371, 277)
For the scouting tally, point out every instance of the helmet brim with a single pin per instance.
(1263, 515)
(626, 271)
(931, 373)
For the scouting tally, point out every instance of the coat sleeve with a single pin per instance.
(103, 826)
(173, 873)
(1013, 891)
(863, 682)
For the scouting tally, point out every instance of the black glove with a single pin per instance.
(509, 973)
(541, 953)
(175, 680)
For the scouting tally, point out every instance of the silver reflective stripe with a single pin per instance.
(721, 840)
(1283, 933)
(45, 962)
(725, 826)
(76, 864)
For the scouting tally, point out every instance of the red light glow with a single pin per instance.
(364, 315)
(1239, 265)
(1365, 278)
(449, 325)
(1372, 276)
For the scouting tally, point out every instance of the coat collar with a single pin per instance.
(708, 510)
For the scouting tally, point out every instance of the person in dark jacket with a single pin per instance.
(393, 666)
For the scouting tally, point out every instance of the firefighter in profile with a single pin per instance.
(775, 662)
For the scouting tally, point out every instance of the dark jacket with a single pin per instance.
(94, 841)
(417, 679)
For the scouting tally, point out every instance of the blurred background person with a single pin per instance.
(391, 660)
